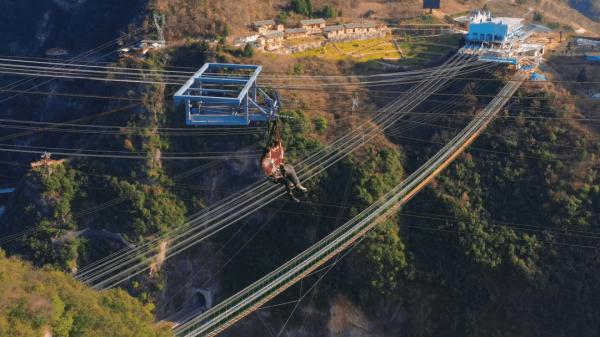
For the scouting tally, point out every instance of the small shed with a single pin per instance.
(313, 26)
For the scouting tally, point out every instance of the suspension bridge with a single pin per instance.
(226, 313)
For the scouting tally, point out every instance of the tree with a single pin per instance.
(44, 201)
(379, 261)
(303, 7)
(37, 302)
(327, 12)
(248, 51)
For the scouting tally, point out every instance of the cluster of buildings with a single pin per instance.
(483, 27)
(503, 39)
(271, 36)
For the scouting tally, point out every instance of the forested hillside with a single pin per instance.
(49, 303)
(503, 243)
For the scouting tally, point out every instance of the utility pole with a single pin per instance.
(159, 23)
(46, 162)
(354, 103)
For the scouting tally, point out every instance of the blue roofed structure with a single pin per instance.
(592, 57)
(538, 77)
(484, 27)
(222, 94)
(503, 40)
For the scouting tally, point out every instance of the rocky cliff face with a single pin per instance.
(30, 27)
(84, 28)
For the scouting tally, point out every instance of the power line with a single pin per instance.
(252, 198)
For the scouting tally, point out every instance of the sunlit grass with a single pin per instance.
(364, 50)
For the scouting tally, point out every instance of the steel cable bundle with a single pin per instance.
(117, 268)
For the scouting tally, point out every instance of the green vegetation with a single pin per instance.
(320, 125)
(248, 51)
(328, 12)
(297, 134)
(282, 17)
(378, 169)
(148, 209)
(494, 237)
(54, 203)
(34, 303)
(374, 266)
(302, 7)
(298, 68)
(305, 8)
(379, 262)
(44, 205)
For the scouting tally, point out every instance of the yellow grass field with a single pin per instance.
(360, 51)
(388, 48)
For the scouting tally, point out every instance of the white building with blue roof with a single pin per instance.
(485, 28)
(502, 39)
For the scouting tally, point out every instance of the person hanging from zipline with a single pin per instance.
(274, 165)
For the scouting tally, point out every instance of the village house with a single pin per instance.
(360, 28)
(295, 33)
(271, 40)
(335, 32)
(313, 26)
(272, 36)
(353, 28)
(264, 25)
(355, 31)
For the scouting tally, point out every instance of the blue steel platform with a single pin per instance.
(221, 94)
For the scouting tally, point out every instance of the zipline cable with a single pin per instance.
(357, 141)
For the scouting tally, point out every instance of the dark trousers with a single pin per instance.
(290, 178)
(290, 174)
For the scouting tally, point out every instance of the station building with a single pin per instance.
(503, 40)
(485, 28)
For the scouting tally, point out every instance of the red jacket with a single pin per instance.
(272, 161)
